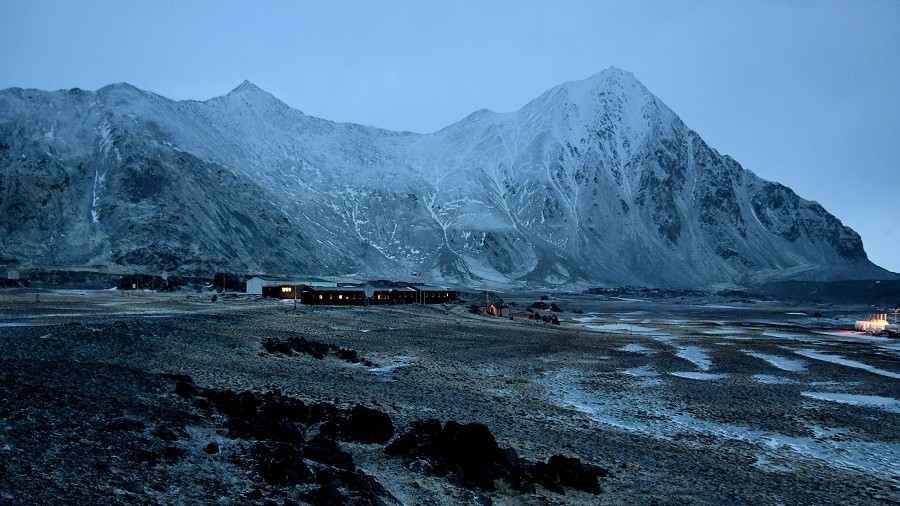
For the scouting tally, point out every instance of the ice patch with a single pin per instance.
(885, 403)
(621, 327)
(785, 364)
(837, 359)
(826, 432)
(636, 348)
(767, 465)
(696, 355)
(783, 335)
(721, 332)
(395, 363)
(641, 372)
(704, 376)
(768, 379)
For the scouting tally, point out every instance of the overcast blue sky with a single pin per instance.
(801, 92)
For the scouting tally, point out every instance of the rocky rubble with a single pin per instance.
(295, 444)
(315, 349)
(469, 455)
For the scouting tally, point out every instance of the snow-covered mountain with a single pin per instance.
(593, 182)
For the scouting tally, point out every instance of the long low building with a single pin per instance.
(357, 295)
(256, 284)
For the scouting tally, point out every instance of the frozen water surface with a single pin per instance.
(624, 328)
(394, 363)
(641, 372)
(636, 348)
(885, 403)
(837, 359)
(722, 332)
(768, 465)
(703, 376)
(769, 379)
(783, 335)
(696, 355)
(785, 364)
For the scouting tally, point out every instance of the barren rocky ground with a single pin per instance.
(142, 398)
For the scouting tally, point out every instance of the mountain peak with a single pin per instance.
(121, 87)
(613, 73)
(582, 103)
(251, 94)
(610, 79)
(247, 87)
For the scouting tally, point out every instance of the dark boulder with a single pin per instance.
(324, 450)
(347, 355)
(418, 439)
(185, 387)
(559, 471)
(572, 473)
(312, 348)
(253, 426)
(281, 463)
(277, 405)
(231, 403)
(467, 452)
(366, 425)
(473, 448)
(174, 453)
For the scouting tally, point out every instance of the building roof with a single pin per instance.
(427, 288)
(292, 281)
(360, 288)
(336, 288)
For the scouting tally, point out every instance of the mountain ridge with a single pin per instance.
(593, 182)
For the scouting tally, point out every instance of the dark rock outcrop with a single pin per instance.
(469, 454)
(315, 349)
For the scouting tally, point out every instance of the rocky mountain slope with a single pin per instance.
(593, 182)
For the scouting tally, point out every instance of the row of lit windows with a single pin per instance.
(341, 297)
(427, 295)
(380, 296)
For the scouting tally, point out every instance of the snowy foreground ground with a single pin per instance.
(699, 401)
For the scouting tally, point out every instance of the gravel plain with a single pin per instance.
(681, 400)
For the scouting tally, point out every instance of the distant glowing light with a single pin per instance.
(877, 323)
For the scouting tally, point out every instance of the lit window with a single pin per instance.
(320, 296)
(340, 297)
(285, 289)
